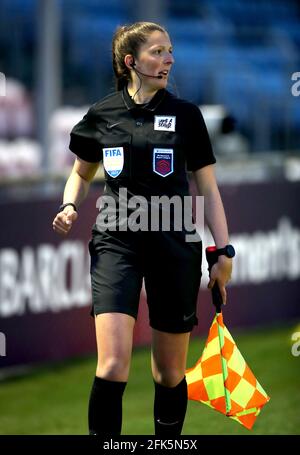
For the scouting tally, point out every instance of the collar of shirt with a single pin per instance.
(151, 106)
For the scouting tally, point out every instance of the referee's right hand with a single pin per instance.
(64, 220)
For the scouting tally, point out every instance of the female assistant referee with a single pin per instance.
(147, 139)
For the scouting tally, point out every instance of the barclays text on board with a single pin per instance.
(44, 278)
(55, 278)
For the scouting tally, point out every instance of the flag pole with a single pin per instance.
(212, 258)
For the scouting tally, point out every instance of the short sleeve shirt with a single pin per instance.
(146, 148)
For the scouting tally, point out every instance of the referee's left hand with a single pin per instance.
(64, 220)
(221, 273)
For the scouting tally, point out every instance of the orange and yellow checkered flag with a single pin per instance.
(222, 379)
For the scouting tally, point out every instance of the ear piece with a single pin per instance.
(132, 64)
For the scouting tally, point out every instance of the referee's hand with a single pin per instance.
(221, 273)
(64, 220)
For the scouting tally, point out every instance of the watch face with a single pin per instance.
(230, 252)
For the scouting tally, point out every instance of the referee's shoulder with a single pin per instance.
(109, 101)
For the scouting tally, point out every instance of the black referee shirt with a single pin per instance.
(145, 148)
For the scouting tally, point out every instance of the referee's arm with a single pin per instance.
(76, 190)
(78, 183)
(216, 220)
(213, 206)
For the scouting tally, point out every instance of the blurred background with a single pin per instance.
(239, 61)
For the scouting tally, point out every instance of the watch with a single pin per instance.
(62, 207)
(228, 251)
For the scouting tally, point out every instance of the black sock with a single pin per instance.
(105, 407)
(170, 405)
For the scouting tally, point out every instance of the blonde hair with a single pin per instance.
(127, 40)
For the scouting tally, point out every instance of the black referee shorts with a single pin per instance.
(170, 266)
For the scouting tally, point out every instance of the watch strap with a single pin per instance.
(63, 206)
(227, 251)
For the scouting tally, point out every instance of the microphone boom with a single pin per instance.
(146, 75)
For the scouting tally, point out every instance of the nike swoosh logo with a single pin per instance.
(110, 126)
(186, 318)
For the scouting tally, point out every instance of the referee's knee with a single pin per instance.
(113, 369)
(168, 377)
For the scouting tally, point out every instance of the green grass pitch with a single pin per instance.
(53, 399)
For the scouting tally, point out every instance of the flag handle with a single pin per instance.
(212, 258)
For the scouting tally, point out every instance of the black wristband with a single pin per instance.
(62, 207)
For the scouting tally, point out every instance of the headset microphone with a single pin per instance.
(143, 74)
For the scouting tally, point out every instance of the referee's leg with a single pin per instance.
(114, 334)
(168, 359)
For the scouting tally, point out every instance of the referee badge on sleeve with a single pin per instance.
(113, 160)
(163, 162)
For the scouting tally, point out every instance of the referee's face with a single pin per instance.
(155, 58)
